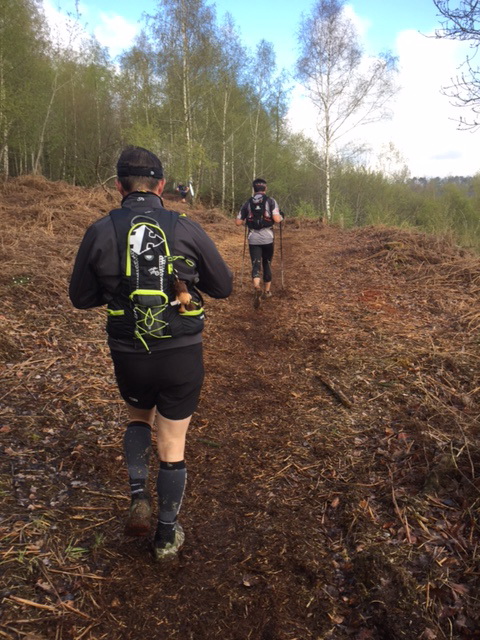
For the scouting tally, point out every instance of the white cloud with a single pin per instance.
(302, 115)
(65, 29)
(116, 33)
(112, 31)
(362, 25)
(424, 126)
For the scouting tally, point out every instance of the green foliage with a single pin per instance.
(72, 552)
(99, 540)
(305, 210)
(364, 197)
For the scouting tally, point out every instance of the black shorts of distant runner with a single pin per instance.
(261, 255)
(170, 379)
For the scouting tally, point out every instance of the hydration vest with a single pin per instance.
(144, 307)
(259, 216)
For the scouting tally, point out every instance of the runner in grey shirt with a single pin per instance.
(260, 213)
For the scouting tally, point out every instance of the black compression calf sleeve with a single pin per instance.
(171, 481)
(137, 443)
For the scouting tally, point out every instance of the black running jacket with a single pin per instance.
(96, 273)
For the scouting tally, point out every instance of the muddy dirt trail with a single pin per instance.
(332, 466)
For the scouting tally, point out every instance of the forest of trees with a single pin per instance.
(212, 110)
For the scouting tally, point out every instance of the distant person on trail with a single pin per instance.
(183, 190)
(260, 213)
(147, 264)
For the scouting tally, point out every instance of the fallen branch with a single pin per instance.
(334, 390)
(403, 519)
(49, 607)
(92, 576)
(37, 605)
(102, 184)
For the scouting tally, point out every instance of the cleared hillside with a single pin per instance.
(333, 463)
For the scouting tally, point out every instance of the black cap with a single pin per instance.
(125, 170)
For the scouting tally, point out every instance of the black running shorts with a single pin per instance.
(169, 379)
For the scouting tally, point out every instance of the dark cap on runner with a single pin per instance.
(125, 170)
(137, 161)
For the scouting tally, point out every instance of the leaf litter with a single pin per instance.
(333, 460)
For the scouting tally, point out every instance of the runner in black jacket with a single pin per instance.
(162, 385)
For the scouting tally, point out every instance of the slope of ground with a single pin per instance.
(333, 485)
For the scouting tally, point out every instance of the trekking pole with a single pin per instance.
(281, 256)
(243, 257)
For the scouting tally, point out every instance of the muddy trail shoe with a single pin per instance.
(257, 296)
(138, 521)
(166, 551)
(267, 295)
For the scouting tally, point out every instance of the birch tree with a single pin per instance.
(141, 94)
(23, 62)
(227, 79)
(262, 72)
(347, 88)
(184, 31)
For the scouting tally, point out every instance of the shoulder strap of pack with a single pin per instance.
(124, 218)
(164, 218)
(262, 202)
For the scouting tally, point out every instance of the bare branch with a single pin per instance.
(463, 23)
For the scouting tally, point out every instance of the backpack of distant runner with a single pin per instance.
(145, 306)
(259, 215)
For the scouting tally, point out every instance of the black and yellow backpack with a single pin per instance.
(145, 308)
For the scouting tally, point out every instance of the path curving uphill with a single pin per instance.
(333, 461)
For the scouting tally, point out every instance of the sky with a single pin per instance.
(424, 125)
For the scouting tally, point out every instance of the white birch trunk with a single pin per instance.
(224, 149)
(233, 174)
(4, 126)
(255, 135)
(327, 187)
(41, 141)
(186, 92)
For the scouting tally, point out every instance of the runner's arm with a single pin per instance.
(241, 215)
(215, 278)
(96, 271)
(276, 215)
(84, 289)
